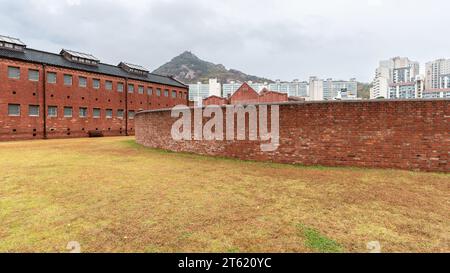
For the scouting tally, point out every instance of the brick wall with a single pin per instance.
(410, 135)
(215, 100)
(25, 92)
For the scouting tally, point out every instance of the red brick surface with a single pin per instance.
(215, 100)
(410, 135)
(25, 93)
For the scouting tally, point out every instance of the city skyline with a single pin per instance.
(278, 40)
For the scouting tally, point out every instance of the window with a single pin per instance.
(67, 112)
(13, 109)
(33, 75)
(166, 92)
(83, 112)
(130, 88)
(131, 114)
(13, 72)
(96, 113)
(140, 89)
(96, 83)
(108, 113)
(120, 113)
(119, 87)
(158, 92)
(149, 91)
(82, 81)
(180, 95)
(174, 94)
(67, 79)
(108, 85)
(33, 110)
(52, 111)
(51, 77)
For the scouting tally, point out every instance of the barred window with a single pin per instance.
(108, 113)
(13, 72)
(119, 87)
(33, 75)
(83, 112)
(13, 109)
(96, 83)
(51, 77)
(108, 85)
(67, 79)
(96, 113)
(52, 111)
(130, 88)
(67, 112)
(82, 81)
(33, 110)
(120, 113)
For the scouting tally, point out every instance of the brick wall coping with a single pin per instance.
(311, 102)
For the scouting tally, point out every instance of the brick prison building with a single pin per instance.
(72, 94)
(247, 95)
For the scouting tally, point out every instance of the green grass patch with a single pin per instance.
(318, 242)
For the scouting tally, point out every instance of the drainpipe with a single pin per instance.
(126, 106)
(44, 102)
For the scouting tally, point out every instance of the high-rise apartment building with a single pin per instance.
(396, 72)
(200, 91)
(295, 88)
(340, 89)
(437, 74)
(315, 89)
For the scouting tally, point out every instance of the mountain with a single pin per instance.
(188, 68)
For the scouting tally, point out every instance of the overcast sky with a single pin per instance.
(278, 39)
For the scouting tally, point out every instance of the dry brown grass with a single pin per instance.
(112, 195)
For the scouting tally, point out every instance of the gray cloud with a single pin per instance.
(276, 39)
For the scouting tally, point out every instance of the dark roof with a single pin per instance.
(37, 56)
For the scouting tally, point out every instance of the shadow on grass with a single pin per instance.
(133, 145)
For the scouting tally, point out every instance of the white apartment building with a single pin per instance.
(437, 74)
(295, 88)
(340, 89)
(315, 89)
(437, 81)
(200, 91)
(229, 88)
(397, 71)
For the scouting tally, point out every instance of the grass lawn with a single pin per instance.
(112, 195)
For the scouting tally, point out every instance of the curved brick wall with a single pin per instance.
(411, 135)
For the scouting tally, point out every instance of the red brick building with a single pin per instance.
(215, 100)
(247, 95)
(71, 94)
(272, 96)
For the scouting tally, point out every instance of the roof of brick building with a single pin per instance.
(42, 57)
